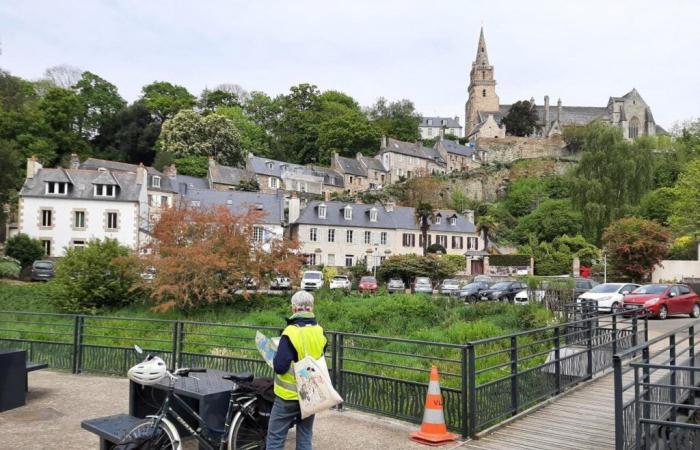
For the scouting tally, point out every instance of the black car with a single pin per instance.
(502, 291)
(584, 285)
(42, 270)
(470, 292)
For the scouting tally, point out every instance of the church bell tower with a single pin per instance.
(482, 87)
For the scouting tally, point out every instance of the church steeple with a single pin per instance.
(482, 88)
(482, 56)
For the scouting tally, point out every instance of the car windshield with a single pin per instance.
(43, 265)
(651, 289)
(312, 275)
(396, 281)
(368, 280)
(472, 286)
(501, 285)
(422, 280)
(340, 278)
(450, 282)
(605, 289)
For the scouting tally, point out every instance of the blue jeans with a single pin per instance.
(284, 414)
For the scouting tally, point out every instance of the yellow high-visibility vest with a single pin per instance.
(305, 339)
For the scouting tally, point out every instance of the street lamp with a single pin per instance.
(374, 260)
(605, 264)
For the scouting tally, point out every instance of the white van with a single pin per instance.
(312, 280)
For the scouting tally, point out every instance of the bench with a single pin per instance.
(31, 367)
(111, 429)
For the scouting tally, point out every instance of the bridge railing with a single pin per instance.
(656, 383)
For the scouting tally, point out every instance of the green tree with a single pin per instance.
(485, 226)
(24, 249)
(100, 101)
(459, 200)
(191, 134)
(398, 119)
(658, 204)
(524, 195)
(521, 119)
(254, 138)
(685, 214)
(552, 218)
(164, 99)
(636, 246)
(556, 257)
(424, 215)
(222, 96)
(296, 128)
(10, 161)
(195, 166)
(130, 135)
(101, 275)
(347, 133)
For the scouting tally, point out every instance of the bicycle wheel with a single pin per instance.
(162, 438)
(248, 431)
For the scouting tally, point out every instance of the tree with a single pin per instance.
(24, 249)
(485, 226)
(521, 119)
(658, 204)
(636, 246)
(685, 214)
(398, 119)
(100, 100)
(10, 161)
(424, 215)
(63, 76)
(296, 128)
(130, 135)
(524, 195)
(204, 256)
(254, 138)
(459, 200)
(551, 219)
(347, 133)
(195, 166)
(15, 92)
(556, 257)
(101, 275)
(61, 110)
(191, 134)
(164, 99)
(408, 267)
(224, 95)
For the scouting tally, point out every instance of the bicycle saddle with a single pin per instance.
(243, 377)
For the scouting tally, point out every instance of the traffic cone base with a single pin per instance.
(433, 430)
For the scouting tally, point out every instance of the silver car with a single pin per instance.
(396, 285)
(450, 287)
(422, 285)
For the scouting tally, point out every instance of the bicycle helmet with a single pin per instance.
(148, 372)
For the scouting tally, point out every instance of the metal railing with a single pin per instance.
(656, 385)
(483, 382)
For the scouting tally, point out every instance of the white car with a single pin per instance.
(340, 282)
(610, 296)
(281, 282)
(312, 280)
(522, 298)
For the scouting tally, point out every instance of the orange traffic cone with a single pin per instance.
(433, 430)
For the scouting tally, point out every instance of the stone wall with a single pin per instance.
(513, 148)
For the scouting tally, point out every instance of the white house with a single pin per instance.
(67, 207)
(432, 127)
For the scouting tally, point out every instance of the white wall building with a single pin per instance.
(432, 127)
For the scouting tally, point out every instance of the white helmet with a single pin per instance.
(148, 372)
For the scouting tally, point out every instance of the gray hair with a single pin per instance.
(303, 300)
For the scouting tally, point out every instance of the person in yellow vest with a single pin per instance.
(302, 334)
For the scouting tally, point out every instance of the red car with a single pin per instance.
(367, 285)
(663, 300)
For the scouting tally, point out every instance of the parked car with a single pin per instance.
(503, 291)
(367, 285)
(483, 279)
(312, 280)
(663, 300)
(523, 297)
(340, 282)
(610, 296)
(583, 285)
(396, 285)
(422, 285)
(251, 283)
(281, 282)
(42, 270)
(449, 286)
(470, 292)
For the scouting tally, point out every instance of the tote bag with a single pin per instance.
(316, 392)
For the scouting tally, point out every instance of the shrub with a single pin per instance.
(407, 267)
(101, 275)
(24, 249)
(9, 267)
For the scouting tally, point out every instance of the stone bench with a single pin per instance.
(111, 429)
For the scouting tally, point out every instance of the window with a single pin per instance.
(349, 260)
(684, 290)
(348, 236)
(270, 164)
(457, 242)
(430, 131)
(46, 218)
(438, 219)
(163, 201)
(331, 235)
(382, 238)
(351, 179)
(368, 237)
(331, 259)
(112, 220)
(634, 128)
(430, 122)
(311, 259)
(46, 243)
(258, 234)
(409, 240)
(79, 219)
(156, 182)
(313, 234)
(321, 211)
(304, 187)
(195, 203)
(104, 190)
(373, 215)
(348, 213)
(78, 243)
(453, 221)
(55, 187)
(150, 200)
(483, 92)
(273, 183)
(441, 239)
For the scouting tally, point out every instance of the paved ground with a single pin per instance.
(58, 402)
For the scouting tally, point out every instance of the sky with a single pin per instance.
(582, 52)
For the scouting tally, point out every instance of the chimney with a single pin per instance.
(170, 171)
(141, 174)
(358, 156)
(389, 206)
(469, 214)
(384, 142)
(33, 167)
(327, 196)
(546, 114)
(212, 162)
(559, 108)
(294, 208)
(74, 161)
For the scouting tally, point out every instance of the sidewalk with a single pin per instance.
(57, 402)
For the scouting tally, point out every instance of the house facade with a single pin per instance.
(460, 158)
(66, 208)
(432, 127)
(225, 178)
(279, 175)
(407, 159)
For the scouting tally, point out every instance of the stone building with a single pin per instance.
(432, 127)
(407, 159)
(459, 157)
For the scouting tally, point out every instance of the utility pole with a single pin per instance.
(605, 265)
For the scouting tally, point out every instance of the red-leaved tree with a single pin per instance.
(204, 256)
(636, 246)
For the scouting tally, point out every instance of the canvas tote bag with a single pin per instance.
(316, 392)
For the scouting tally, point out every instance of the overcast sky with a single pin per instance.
(583, 52)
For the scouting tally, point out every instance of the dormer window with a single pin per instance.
(430, 122)
(438, 220)
(373, 215)
(321, 211)
(155, 181)
(348, 212)
(56, 187)
(270, 164)
(453, 221)
(105, 190)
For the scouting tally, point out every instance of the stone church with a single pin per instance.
(484, 113)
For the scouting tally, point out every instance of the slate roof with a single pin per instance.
(456, 148)
(450, 122)
(373, 163)
(330, 176)
(240, 202)
(570, 115)
(228, 175)
(413, 149)
(96, 163)
(351, 166)
(273, 168)
(399, 218)
(58, 175)
(82, 182)
(186, 183)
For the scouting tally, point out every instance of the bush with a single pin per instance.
(101, 275)
(408, 267)
(9, 267)
(24, 249)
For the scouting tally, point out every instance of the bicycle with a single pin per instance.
(244, 428)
